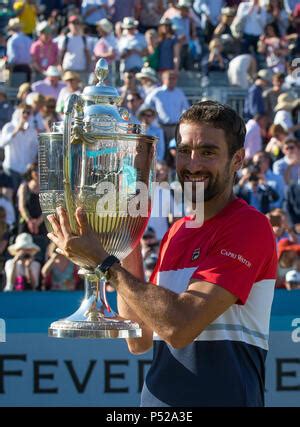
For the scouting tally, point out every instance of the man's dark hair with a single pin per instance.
(219, 116)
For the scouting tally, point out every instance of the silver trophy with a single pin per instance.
(98, 160)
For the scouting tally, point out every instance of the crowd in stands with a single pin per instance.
(48, 50)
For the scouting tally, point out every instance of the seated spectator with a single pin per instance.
(288, 252)
(280, 225)
(148, 78)
(133, 104)
(284, 108)
(168, 47)
(131, 85)
(20, 144)
(44, 51)
(275, 145)
(216, 60)
(24, 90)
(36, 101)
(132, 46)
(92, 12)
(50, 116)
(73, 85)
(6, 108)
(278, 15)
(59, 273)
(22, 271)
(147, 116)
(262, 161)
(51, 85)
(273, 48)
(289, 166)
(292, 78)
(253, 188)
(254, 102)
(242, 70)
(149, 12)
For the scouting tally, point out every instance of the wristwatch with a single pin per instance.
(103, 268)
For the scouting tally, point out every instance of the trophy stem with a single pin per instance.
(94, 318)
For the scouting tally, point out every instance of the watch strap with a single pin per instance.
(106, 264)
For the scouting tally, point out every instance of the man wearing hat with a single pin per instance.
(51, 85)
(72, 81)
(22, 271)
(148, 79)
(18, 51)
(286, 103)
(132, 46)
(254, 102)
(44, 50)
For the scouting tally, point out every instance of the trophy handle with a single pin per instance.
(73, 110)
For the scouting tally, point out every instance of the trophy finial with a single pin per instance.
(101, 70)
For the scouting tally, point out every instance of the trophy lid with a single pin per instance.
(101, 93)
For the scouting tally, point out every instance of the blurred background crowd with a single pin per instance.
(163, 56)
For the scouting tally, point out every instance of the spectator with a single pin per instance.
(289, 166)
(216, 60)
(278, 15)
(147, 116)
(130, 86)
(148, 79)
(36, 101)
(92, 12)
(253, 188)
(4, 239)
(26, 11)
(271, 95)
(292, 277)
(59, 274)
(168, 47)
(18, 52)
(254, 102)
(74, 50)
(152, 58)
(10, 213)
(210, 12)
(169, 102)
(280, 224)
(6, 108)
(24, 90)
(133, 103)
(44, 51)
(20, 144)
(120, 9)
(22, 271)
(292, 205)
(273, 48)
(51, 85)
(50, 116)
(107, 46)
(253, 18)
(242, 70)
(262, 161)
(186, 32)
(72, 81)
(286, 103)
(288, 252)
(132, 46)
(292, 78)
(148, 13)
(275, 145)
(256, 129)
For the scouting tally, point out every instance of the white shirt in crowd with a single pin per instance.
(20, 271)
(169, 104)
(75, 57)
(253, 140)
(136, 41)
(238, 71)
(255, 21)
(19, 150)
(285, 119)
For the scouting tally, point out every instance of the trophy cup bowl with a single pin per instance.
(98, 160)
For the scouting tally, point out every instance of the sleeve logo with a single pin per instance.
(238, 257)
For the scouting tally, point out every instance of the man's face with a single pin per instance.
(53, 80)
(261, 162)
(202, 156)
(290, 150)
(169, 78)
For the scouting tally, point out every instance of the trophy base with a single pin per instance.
(104, 328)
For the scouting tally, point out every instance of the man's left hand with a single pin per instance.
(84, 249)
